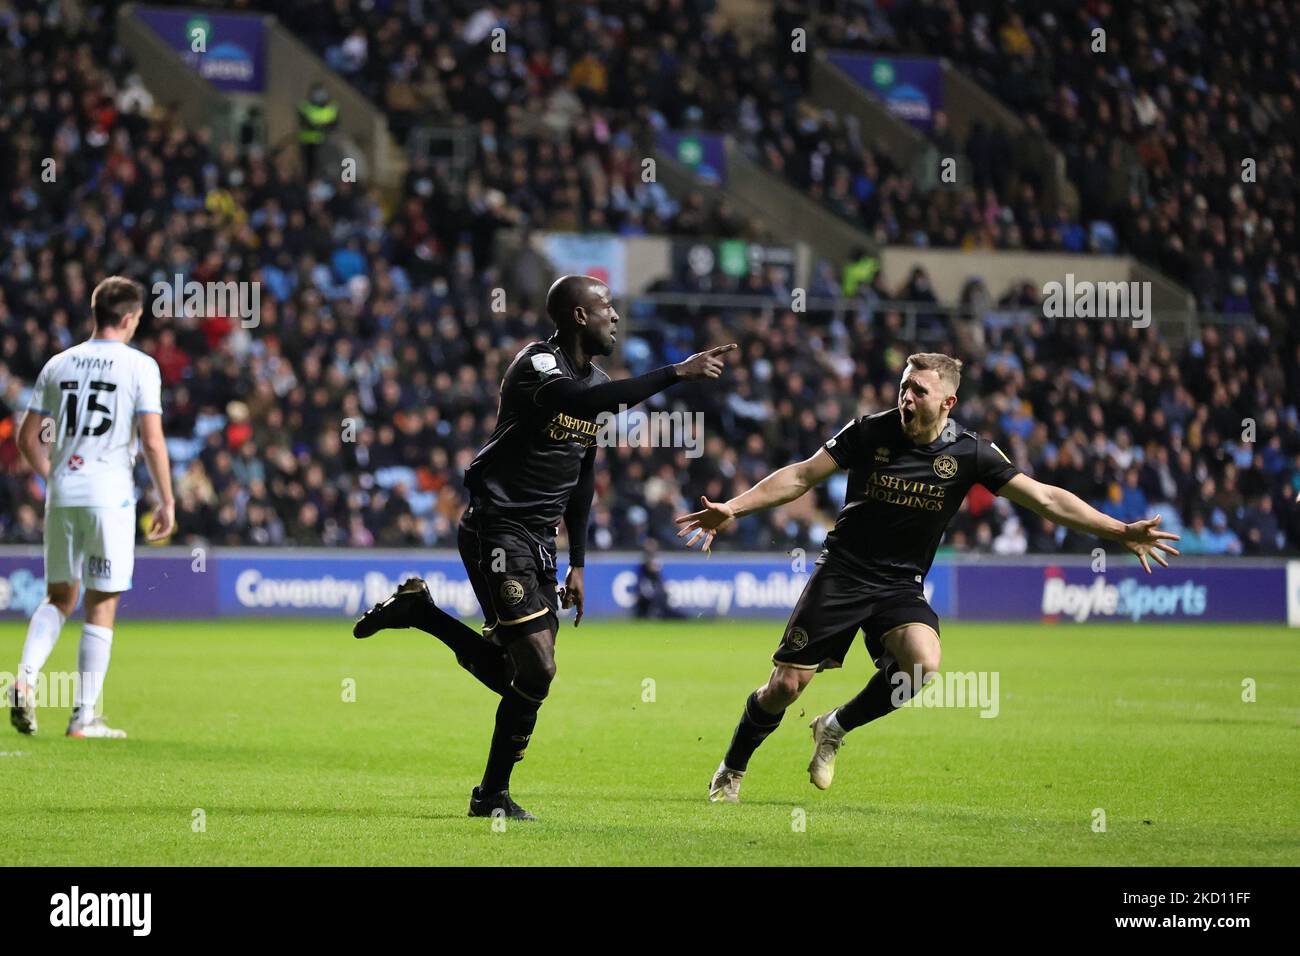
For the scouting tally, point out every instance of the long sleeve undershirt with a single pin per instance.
(567, 395)
(578, 510)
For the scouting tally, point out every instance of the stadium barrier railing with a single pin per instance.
(922, 321)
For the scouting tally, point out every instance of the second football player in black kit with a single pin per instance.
(909, 470)
(536, 469)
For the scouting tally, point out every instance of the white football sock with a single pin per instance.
(42, 634)
(833, 725)
(92, 664)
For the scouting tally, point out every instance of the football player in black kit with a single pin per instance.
(537, 467)
(909, 470)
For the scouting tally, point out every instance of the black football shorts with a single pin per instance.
(512, 569)
(834, 605)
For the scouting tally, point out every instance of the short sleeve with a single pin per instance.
(41, 401)
(846, 447)
(534, 368)
(993, 468)
(148, 388)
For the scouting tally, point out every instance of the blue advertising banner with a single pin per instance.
(695, 586)
(939, 589)
(161, 587)
(705, 154)
(757, 587)
(284, 585)
(231, 54)
(1070, 594)
(292, 585)
(250, 583)
(911, 87)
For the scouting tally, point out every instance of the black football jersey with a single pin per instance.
(901, 496)
(531, 462)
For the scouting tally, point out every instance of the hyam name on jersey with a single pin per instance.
(84, 363)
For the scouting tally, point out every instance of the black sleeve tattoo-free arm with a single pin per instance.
(566, 395)
(579, 509)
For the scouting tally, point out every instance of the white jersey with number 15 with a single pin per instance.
(94, 391)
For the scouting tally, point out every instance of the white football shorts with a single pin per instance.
(93, 545)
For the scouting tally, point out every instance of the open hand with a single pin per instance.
(707, 523)
(1145, 540)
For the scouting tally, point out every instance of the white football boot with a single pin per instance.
(725, 786)
(94, 727)
(826, 744)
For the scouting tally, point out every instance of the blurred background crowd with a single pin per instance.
(346, 416)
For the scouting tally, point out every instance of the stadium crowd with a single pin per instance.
(1180, 134)
(1153, 137)
(619, 73)
(346, 415)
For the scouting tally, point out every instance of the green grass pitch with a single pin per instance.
(246, 722)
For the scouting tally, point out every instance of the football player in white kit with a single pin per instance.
(80, 435)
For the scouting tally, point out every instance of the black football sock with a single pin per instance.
(876, 699)
(754, 727)
(516, 718)
(487, 662)
(458, 636)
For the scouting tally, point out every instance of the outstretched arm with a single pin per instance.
(566, 395)
(781, 486)
(1143, 538)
